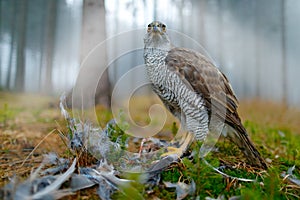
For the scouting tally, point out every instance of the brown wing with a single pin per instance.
(198, 73)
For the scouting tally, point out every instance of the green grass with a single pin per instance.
(8, 113)
(269, 185)
(273, 128)
(277, 139)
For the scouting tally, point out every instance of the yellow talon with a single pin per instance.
(186, 140)
(172, 151)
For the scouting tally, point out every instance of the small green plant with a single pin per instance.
(7, 113)
(131, 190)
(117, 132)
(208, 182)
(174, 128)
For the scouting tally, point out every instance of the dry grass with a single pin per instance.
(26, 119)
(267, 113)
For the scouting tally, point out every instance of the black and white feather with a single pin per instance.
(194, 90)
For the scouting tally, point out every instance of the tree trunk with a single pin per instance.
(103, 92)
(21, 45)
(220, 34)
(283, 50)
(93, 33)
(42, 48)
(49, 45)
(202, 7)
(1, 40)
(257, 48)
(12, 45)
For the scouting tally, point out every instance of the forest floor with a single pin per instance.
(31, 125)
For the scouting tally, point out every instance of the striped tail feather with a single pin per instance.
(242, 140)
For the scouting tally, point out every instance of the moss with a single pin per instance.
(8, 113)
(276, 137)
(174, 128)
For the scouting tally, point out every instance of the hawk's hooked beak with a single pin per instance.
(155, 29)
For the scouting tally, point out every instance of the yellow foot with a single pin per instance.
(173, 151)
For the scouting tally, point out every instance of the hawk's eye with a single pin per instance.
(149, 27)
(164, 28)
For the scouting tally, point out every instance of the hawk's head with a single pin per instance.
(157, 37)
(156, 27)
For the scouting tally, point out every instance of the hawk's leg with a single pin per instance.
(142, 144)
(184, 144)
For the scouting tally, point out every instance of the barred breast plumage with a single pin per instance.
(193, 89)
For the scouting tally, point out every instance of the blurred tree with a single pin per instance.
(257, 47)
(155, 10)
(202, 8)
(49, 42)
(134, 34)
(93, 33)
(12, 44)
(220, 34)
(21, 42)
(0, 39)
(283, 51)
(42, 46)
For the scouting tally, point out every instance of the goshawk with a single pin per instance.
(193, 90)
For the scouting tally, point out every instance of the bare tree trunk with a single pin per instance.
(202, 8)
(155, 10)
(220, 34)
(116, 31)
(257, 48)
(134, 25)
(1, 40)
(93, 33)
(43, 51)
(283, 47)
(49, 45)
(21, 45)
(180, 6)
(12, 45)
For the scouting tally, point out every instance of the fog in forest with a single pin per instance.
(256, 43)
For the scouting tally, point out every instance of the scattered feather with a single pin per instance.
(226, 175)
(290, 176)
(46, 187)
(281, 134)
(268, 160)
(222, 197)
(182, 189)
(79, 182)
(53, 188)
(113, 161)
(61, 164)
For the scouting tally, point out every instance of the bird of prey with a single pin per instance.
(194, 90)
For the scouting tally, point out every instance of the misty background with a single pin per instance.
(256, 43)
